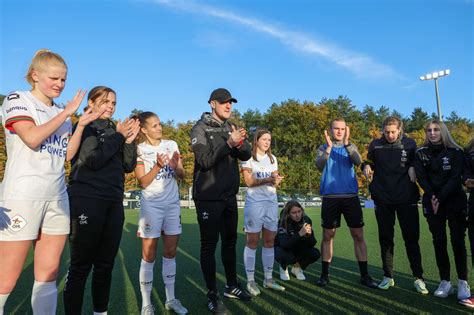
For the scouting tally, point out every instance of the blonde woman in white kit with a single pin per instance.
(35, 207)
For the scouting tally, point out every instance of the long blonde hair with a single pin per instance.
(42, 59)
(446, 138)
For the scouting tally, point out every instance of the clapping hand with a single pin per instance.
(72, 106)
(173, 162)
(305, 229)
(89, 116)
(277, 178)
(347, 133)
(162, 160)
(368, 173)
(237, 137)
(328, 139)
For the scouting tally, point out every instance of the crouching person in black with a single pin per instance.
(295, 241)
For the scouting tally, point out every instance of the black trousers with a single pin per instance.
(304, 257)
(457, 230)
(218, 218)
(96, 231)
(408, 219)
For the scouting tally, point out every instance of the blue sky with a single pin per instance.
(167, 56)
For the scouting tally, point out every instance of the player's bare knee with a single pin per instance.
(270, 243)
(149, 255)
(169, 253)
(328, 234)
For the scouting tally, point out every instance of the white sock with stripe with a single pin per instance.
(268, 257)
(249, 262)
(145, 277)
(169, 277)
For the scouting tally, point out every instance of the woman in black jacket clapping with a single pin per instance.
(295, 241)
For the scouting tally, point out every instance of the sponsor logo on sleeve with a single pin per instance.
(13, 96)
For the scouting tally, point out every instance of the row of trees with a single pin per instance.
(298, 130)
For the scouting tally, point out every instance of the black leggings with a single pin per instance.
(96, 230)
(457, 231)
(218, 218)
(304, 257)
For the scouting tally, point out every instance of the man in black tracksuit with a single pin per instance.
(395, 193)
(96, 186)
(217, 146)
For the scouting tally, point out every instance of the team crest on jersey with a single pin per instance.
(17, 223)
(205, 215)
(82, 219)
(147, 228)
(446, 165)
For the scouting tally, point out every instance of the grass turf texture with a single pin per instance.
(343, 295)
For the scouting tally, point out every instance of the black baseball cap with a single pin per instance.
(221, 95)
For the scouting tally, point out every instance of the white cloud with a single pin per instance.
(360, 64)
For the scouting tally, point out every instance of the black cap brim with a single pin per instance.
(232, 100)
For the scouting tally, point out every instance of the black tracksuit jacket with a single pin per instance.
(216, 166)
(102, 159)
(390, 162)
(439, 172)
(289, 238)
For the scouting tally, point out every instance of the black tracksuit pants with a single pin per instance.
(304, 257)
(218, 217)
(96, 231)
(408, 219)
(457, 230)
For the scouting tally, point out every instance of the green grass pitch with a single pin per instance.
(343, 295)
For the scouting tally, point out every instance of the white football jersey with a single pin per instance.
(164, 187)
(34, 174)
(262, 168)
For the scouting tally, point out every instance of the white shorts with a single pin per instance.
(156, 217)
(27, 217)
(260, 214)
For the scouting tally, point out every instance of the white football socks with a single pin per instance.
(44, 298)
(169, 276)
(249, 263)
(268, 257)
(146, 281)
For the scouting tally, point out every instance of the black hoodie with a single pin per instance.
(216, 167)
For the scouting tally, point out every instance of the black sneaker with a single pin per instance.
(368, 282)
(323, 281)
(214, 303)
(237, 292)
